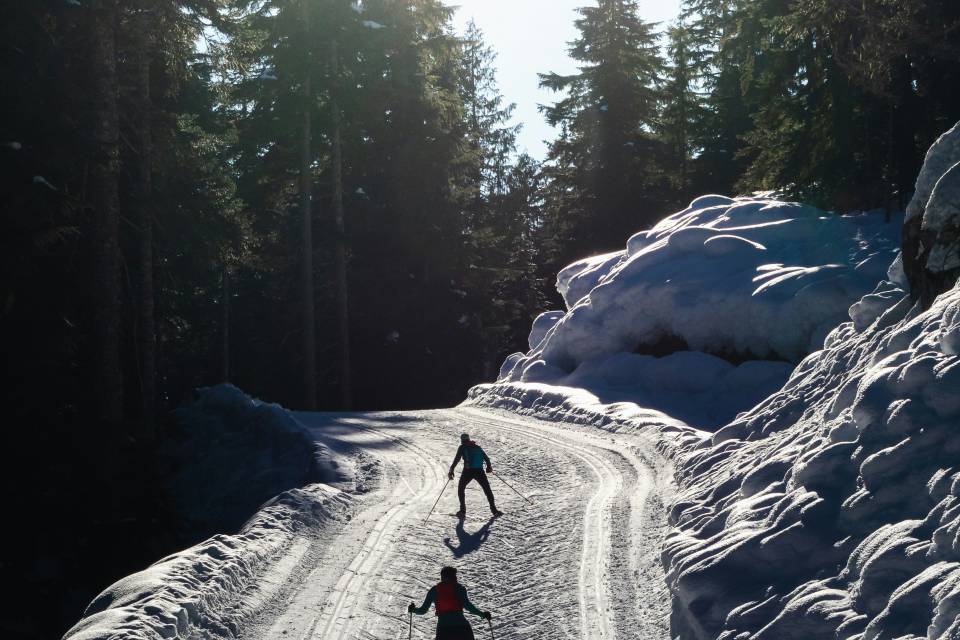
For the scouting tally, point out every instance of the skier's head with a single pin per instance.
(464, 437)
(448, 574)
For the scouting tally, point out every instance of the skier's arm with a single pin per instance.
(427, 601)
(486, 459)
(465, 601)
(456, 460)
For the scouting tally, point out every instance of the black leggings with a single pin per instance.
(481, 478)
(455, 633)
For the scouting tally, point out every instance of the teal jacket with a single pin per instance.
(454, 619)
(473, 456)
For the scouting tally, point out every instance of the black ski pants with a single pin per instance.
(455, 633)
(474, 474)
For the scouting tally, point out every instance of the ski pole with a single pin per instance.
(511, 487)
(411, 626)
(438, 499)
(490, 623)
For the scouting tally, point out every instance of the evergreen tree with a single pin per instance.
(683, 115)
(608, 154)
(502, 211)
(716, 62)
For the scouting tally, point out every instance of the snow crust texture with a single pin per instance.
(706, 314)
(832, 509)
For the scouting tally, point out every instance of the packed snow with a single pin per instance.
(343, 562)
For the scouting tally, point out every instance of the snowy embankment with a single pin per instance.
(707, 313)
(832, 508)
(231, 454)
(228, 453)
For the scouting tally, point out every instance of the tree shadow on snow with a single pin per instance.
(468, 542)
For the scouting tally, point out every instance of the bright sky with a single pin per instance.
(530, 37)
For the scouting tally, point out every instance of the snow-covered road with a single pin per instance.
(582, 562)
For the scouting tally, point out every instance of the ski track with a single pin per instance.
(581, 562)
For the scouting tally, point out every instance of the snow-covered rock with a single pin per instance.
(831, 509)
(732, 292)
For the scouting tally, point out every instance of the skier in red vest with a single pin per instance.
(473, 460)
(450, 599)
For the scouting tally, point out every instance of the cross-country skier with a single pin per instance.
(450, 599)
(473, 459)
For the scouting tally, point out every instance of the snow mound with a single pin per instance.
(210, 589)
(832, 509)
(230, 453)
(738, 280)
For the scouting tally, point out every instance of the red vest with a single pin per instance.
(447, 599)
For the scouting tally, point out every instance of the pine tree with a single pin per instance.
(502, 209)
(104, 200)
(608, 151)
(683, 115)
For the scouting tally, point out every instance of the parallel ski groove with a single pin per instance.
(543, 569)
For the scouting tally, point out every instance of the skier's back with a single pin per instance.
(473, 462)
(450, 599)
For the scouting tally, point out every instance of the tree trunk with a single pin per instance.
(225, 329)
(105, 135)
(143, 176)
(306, 189)
(340, 255)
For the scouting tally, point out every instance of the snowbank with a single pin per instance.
(831, 510)
(230, 453)
(209, 590)
(733, 292)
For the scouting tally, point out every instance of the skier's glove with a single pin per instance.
(411, 607)
(450, 475)
(487, 615)
(489, 468)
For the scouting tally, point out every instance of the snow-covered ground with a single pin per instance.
(343, 560)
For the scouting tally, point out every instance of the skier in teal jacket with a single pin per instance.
(473, 460)
(450, 599)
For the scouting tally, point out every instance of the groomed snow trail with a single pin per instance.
(582, 562)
